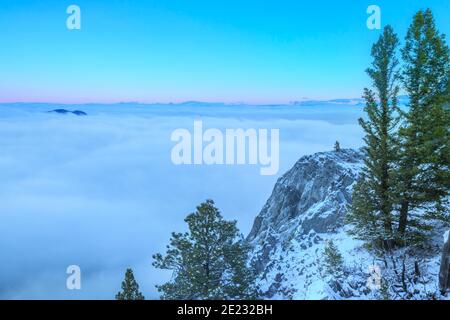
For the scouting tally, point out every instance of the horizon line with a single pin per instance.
(290, 103)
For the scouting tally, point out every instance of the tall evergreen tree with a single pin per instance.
(209, 261)
(424, 154)
(337, 146)
(371, 212)
(130, 288)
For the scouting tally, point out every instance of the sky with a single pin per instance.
(172, 51)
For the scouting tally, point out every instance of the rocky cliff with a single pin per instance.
(307, 206)
(306, 209)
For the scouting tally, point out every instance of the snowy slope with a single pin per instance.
(305, 210)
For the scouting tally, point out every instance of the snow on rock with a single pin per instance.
(306, 208)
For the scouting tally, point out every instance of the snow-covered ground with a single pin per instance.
(100, 191)
(306, 211)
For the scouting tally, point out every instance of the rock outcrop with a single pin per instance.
(307, 206)
(444, 272)
(306, 209)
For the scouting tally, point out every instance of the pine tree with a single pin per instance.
(366, 224)
(130, 288)
(371, 212)
(337, 146)
(423, 172)
(333, 261)
(209, 261)
(334, 271)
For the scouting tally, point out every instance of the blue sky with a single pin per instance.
(171, 51)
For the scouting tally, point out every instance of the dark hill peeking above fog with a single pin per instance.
(64, 111)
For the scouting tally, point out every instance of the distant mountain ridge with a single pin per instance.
(402, 101)
(306, 102)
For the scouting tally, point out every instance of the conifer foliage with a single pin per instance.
(403, 191)
(424, 136)
(333, 261)
(337, 146)
(208, 262)
(371, 212)
(130, 288)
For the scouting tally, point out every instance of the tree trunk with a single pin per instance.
(403, 220)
